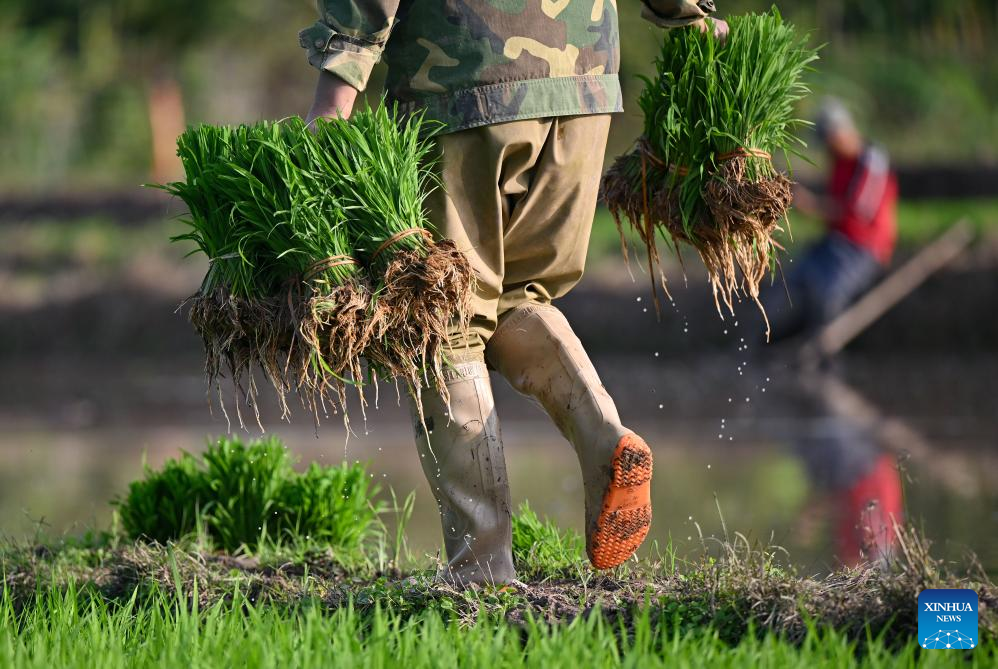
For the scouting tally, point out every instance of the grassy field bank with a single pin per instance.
(134, 604)
(66, 631)
(358, 597)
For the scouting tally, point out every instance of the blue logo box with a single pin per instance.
(947, 619)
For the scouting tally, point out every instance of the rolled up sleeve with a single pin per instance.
(349, 37)
(676, 13)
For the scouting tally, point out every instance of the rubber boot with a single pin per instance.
(461, 454)
(535, 349)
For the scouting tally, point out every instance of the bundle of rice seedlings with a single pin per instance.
(282, 292)
(298, 224)
(328, 299)
(702, 174)
(237, 310)
(381, 173)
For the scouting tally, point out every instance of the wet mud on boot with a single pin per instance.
(535, 349)
(460, 450)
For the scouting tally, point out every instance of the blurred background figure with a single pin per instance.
(858, 207)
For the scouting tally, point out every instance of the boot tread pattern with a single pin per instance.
(626, 516)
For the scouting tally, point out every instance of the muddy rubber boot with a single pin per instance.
(535, 349)
(464, 464)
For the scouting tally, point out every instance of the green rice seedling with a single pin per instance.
(295, 222)
(541, 548)
(283, 290)
(232, 196)
(248, 496)
(329, 300)
(166, 504)
(702, 173)
(379, 167)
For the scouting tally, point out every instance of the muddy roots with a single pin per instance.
(746, 213)
(311, 344)
(332, 331)
(734, 236)
(422, 299)
(239, 335)
(308, 344)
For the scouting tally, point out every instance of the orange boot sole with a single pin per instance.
(626, 514)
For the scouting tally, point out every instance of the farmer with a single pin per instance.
(525, 96)
(859, 208)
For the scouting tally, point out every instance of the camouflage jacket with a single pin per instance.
(478, 62)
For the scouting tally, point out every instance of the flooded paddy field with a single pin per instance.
(98, 375)
(753, 438)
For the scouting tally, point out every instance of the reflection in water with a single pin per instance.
(797, 465)
(854, 477)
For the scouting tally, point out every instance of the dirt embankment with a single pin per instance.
(741, 588)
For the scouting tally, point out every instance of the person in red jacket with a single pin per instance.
(859, 208)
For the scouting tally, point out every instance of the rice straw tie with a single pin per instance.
(647, 152)
(399, 236)
(745, 153)
(320, 266)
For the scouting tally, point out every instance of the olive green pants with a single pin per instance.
(518, 198)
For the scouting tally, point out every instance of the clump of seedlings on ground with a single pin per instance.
(320, 254)
(702, 174)
(240, 519)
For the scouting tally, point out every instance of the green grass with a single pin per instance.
(540, 547)
(70, 629)
(355, 586)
